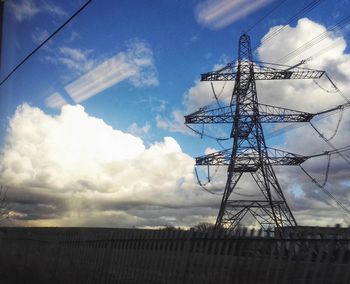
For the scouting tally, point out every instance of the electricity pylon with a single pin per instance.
(249, 153)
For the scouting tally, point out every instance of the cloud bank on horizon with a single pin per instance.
(73, 165)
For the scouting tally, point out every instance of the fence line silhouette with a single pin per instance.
(92, 255)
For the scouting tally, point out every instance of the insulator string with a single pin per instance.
(218, 96)
(336, 88)
(324, 89)
(338, 124)
(327, 170)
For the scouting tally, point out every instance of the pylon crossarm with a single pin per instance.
(271, 114)
(269, 71)
(220, 158)
(227, 73)
(263, 71)
(215, 115)
(283, 158)
(267, 114)
(248, 159)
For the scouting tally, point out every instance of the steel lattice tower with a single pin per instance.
(249, 153)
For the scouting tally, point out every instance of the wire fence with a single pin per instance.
(91, 255)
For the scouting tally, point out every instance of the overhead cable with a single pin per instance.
(341, 205)
(265, 16)
(202, 134)
(307, 8)
(336, 88)
(330, 144)
(203, 186)
(323, 51)
(323, 88)
(317, 39)
(44, 42)
(338, 124)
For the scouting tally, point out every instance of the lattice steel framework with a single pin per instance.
(249, 153)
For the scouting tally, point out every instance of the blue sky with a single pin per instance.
(134, 67)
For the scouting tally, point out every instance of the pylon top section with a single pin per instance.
(261, 70)
(244, 53)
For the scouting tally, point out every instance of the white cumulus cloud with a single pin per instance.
(305, 94)
(72, 168)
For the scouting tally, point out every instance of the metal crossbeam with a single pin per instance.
(267, 114)
(262, 72)
(236, 210)
(247, 158)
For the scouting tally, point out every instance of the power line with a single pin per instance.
(306, 9)
(322, 187)
(338, 124)
(45, 41)
(217, 96)
(337, 89)
(303, 11)
(203, 186)
(339, 108)
(265, 16)
(317, 39)
(330, 144)
(324, 89)
(202, 134)
(323, 51)
(310, 44)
